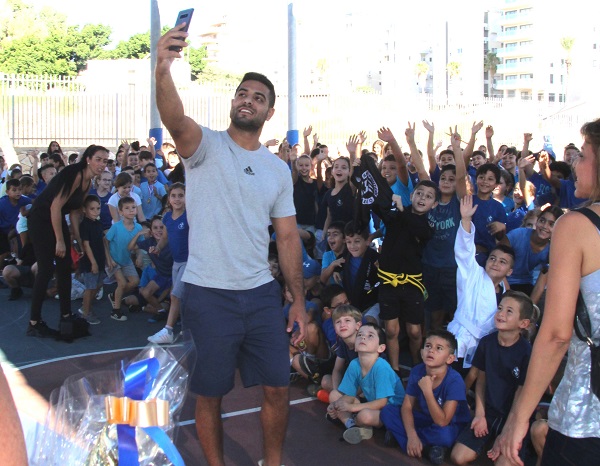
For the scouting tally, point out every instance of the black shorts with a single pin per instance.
(480, 444)
(403, 302)
(440, 283)
(4, 243)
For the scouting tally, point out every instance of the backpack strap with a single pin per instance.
(583, 326)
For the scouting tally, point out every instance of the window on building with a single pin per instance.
(510, 46)
(526, 26)
(510, 61)
(526, 76)
(511, 77)
(551, 79)
(561, 97)
(511, 29)
(526, 43)
(525, 10)
(510, 93)
(551, 97)
(526, 59)
(541, 96)
(562, 78)
(525, 95)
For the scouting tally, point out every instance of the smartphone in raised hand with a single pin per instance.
(184, 16)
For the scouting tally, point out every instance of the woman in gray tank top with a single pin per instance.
(574, 416)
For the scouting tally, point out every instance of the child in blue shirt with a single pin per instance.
(376, 379)
(435, 407)
(176, 234)
(119, 236)
(333, 259)
(500, 365)
(10, 206)
(490, 216)
(152, 192)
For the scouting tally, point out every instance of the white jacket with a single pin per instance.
(474, 316)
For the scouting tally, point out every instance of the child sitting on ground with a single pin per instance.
(500, 362)
(435, 407)
(91, 264)
(156, 281)
(376, 379)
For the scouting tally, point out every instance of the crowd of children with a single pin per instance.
(446, 264)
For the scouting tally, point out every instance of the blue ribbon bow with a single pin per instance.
(138, 380)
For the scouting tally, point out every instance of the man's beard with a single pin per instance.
(252, 126)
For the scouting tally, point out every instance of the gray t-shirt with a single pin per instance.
(231, 196)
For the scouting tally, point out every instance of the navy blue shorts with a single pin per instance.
(440, 283)
(232, 329)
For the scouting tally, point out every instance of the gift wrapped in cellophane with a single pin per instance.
(120, 416)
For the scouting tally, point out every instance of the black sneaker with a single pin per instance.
(118, 315)
(40, 330)
(133, 308)
(15, 293)
(436, 454)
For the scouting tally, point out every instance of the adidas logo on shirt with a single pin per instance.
(248, 171)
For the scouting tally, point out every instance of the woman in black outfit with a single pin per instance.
(50, 235)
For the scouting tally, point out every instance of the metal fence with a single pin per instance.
(36, 110)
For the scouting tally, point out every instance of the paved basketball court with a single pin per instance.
(310, 438)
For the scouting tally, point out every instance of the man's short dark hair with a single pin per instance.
(489, 167)
(148, 165)
(330, 292)
(89, 199)
(445, 335)
(446, 168)
(261, 78)
(351, 230)
(478, 152)
(561, 167)
(13, 183)
(145, 155)
(125, 200)
(506, 250)
(432, 185)
(378, 329)
(446, 152)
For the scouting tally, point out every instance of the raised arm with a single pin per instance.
(306, 133)
(430, 150)
(468, 152)
(467, 210)
(386, 135)
(526, 167)
(489, 133)
(460, 161)
(415, 157)
(544, 162)
(186, 133)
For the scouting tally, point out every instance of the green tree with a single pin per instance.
(567, 44)
(87, 44)
(137, 46)
(490, 64)
(197, 60)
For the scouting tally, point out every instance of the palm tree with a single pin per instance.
(453, 68)
(567, 44)
(490, 64)
(421, 70)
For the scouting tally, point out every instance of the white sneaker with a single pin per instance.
(162, 337)
(100, 294)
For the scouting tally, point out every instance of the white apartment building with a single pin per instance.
(533, 62)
